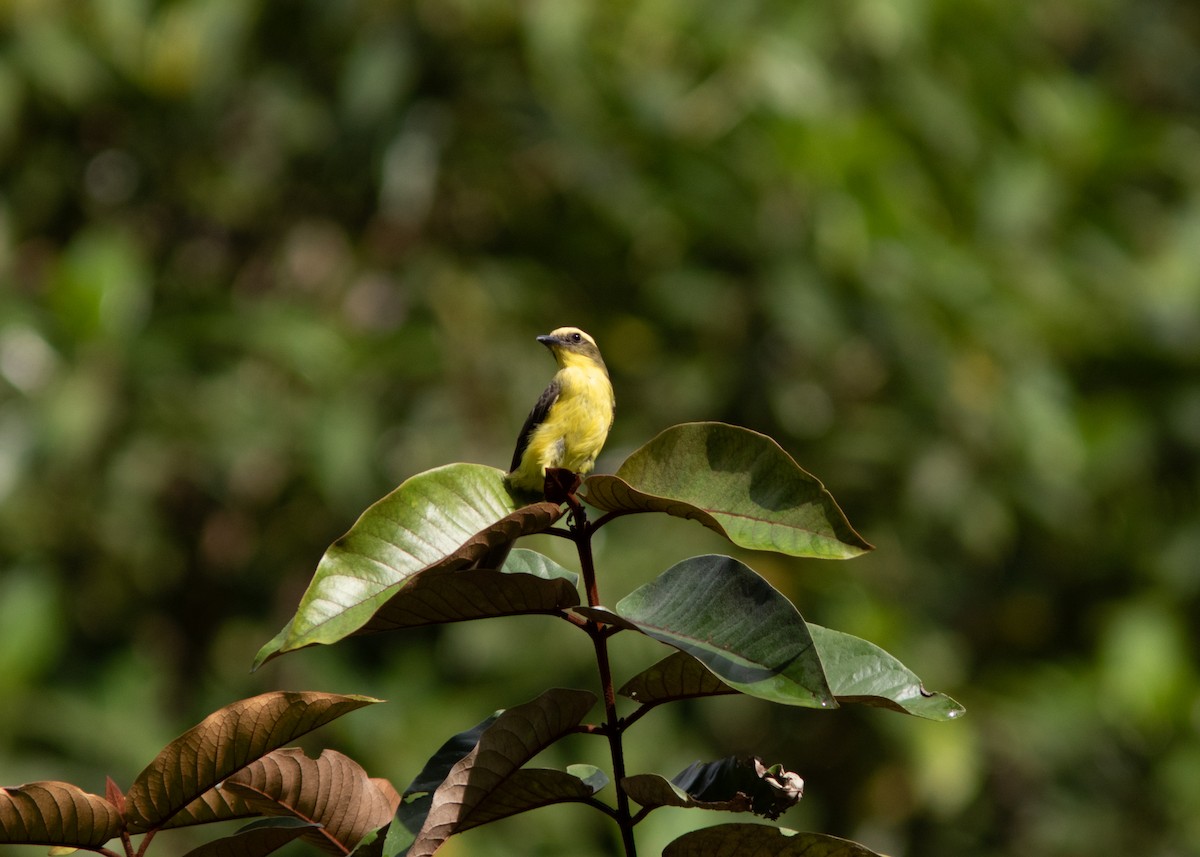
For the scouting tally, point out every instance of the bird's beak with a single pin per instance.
(548, 340)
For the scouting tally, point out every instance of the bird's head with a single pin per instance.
(572, 347)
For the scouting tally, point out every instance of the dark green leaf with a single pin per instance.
(446, 518)
(222, 744)
(516, 736)
(256, 839)
(57, 814)
(528, 583)
(736, 482)
(760, 840)
(769, 791)
(733, 621)
(530, 788)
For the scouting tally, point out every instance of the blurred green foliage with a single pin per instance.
(260, 261)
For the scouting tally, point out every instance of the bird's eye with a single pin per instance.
(575, 337)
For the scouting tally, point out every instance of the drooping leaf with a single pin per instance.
(760, 840)
(516, 736)
(528, 583)
(770, 790)
(861, 672)
(734, 481)
(444, 518)
(57, 814)
(418, 797)
(530, 788)
(222, 744)
(734, 622)
(256, 839)
(331, 791)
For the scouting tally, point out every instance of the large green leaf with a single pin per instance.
(734, 481)
(515, 737)
(527, 583)
(760, 840)
(447, 518)
(221, 745)
(858, 672)
(733, 621)
(58, 814)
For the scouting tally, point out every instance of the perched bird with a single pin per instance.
(568, 425)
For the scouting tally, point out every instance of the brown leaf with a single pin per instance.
(52, 813)
(515, 737)
(332, 791)
(678, 676)
(760, 840)
(224, 743)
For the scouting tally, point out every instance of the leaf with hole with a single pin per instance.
(736, 482)
(733, 621)
(447, 518)
(222, 744)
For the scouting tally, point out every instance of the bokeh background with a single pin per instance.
(261, 261)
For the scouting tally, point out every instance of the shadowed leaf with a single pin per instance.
(760, 840)
(59, 814)
(769, 790)
(332, 791)
(530, 788)
(733, 621)
(734, 481)
(528, 583)
(861, 672)
(447, 518)
(515, 737)
(256, 839)
(222, 744)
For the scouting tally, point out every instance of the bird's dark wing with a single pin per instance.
(536, 417)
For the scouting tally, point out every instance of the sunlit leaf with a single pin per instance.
(515, 737)
(59, 814)
(214, 805)
(861, 672)
(530, 788)
(760, 840)
(256, 839)
(332, 791)
(733, 621)
(222, 744)
(445, 518)
(734, 481)
(528, 583)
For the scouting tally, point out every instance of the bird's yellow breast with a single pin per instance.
(574, 430)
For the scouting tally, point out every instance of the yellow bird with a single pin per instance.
(571, 420)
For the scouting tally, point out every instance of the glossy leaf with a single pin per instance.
(331, 791)
(256, 839)
(530, 788)
(528, 583)
(447, 518)
(861, 672)
(734, 622)
(222, 744)
(736, 482)
(515, 737)
(760, 840)
(58, 814)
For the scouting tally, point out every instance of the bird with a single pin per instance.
(571, 419)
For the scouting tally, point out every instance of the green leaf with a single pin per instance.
(528, 583)
(760, 840)
(222, 744)
(256, 839)
(447, 518)
(736, 482)
(515, 737)
(58, 814)
(530, 788)
(861, 672)
(332, 791)
(734, 622)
